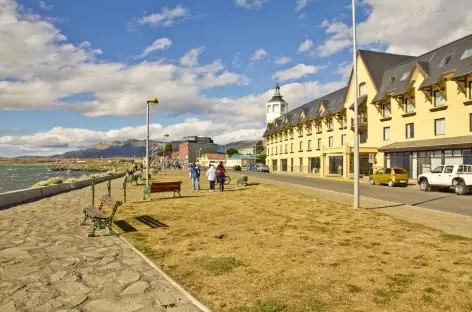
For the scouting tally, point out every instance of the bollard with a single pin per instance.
(109, 186)
(93, 192)
(124, 191)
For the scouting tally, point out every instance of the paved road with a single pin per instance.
(441, 201)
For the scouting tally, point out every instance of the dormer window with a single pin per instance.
(467, 53)
(331, 124)
(275, 107)
(268, 108)
(446, 60)
(284, 108)
(390, 81)
(362, 89)
(386, 111)
(439, 99)
(405, 75)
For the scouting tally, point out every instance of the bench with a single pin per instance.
(159, 187)
(101, 221)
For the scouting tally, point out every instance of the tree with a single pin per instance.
(168, 149)
(232, 151)
(259, 148)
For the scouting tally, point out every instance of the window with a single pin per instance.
(284, 108)
(446, 60)
(343, 139)
(308, 129)
(309, 145)
(399, 171)
(268, 108)
(319, 143)
(438, 169)
(409, 106)
(276, 150)
(387, 134)
(300, 146)
(404, 76)
(344, 121)
(440, 126)
(470, 122)
(388, 171)
(300, 132)
(380, 171)
(448, 169)
(291, 147)
(410, 131)
(362, 89)
(331, 141)
(318, 127)
(272, 152)
(390, 81)
(386, 111)
(331, 124)
(439, 99)
(467, 53)
(275, 107)
(470, 89)
(280, 149)
(285, 148)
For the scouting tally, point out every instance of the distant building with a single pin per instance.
(246, 151)
(214, 159)
(194, 147)
(241, 160)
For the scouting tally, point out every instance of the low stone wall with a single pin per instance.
(13, 198)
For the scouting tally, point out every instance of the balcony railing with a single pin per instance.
(361, 123)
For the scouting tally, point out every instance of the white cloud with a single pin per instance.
(283, 60)
(159, 44)
(259, 54)
(419, 29)
(305, 46)
(43, 5)
(344, 69)
(295, 72)
(190, 59)
(301, 4)
(167, 17)
(250, 4)
(236, 59)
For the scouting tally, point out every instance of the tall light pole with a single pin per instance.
(152, 101)
(356, 123)
(164, 154)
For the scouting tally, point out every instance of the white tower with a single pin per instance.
(276, 107)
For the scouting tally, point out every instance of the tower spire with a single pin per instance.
(277, 90)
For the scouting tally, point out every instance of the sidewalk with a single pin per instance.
(448, 222)
(48, 264)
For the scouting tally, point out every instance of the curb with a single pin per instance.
(191, 298)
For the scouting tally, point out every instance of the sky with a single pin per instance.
(76, 73)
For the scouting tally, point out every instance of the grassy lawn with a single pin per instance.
(265, 248)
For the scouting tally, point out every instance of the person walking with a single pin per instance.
(211, 176)
(220, 176)
(195, 176)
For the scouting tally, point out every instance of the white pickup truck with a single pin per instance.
(457, 176)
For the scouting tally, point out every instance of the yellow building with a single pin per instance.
(414, 113)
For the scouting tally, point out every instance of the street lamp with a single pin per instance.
(356, 124)
(164, 154)
(152, 101)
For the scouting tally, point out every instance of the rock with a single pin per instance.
(110, 305)
(128, 276)
(135, 289)
(133, 261)
(165, 299)
(14, 252)
(220, 236)
(75, 289)
(74, 300)
(8, 307)
(57, 276)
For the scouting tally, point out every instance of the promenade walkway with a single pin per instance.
(48, 264)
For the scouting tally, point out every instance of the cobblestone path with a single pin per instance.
(48, 264)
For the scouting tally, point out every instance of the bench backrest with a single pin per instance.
(111, 203)
(158, 186)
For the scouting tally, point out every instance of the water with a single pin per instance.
(18, 177)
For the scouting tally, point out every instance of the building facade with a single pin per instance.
(414, 113)
(240, 160)
(193, 148)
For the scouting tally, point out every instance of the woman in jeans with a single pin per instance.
(211, 176)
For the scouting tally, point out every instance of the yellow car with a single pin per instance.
(389, 176)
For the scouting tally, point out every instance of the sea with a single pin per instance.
(18, 177)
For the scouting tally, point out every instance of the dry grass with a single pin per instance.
(284, 251)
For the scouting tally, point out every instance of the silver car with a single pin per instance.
(262, 168)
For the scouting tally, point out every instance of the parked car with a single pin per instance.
(390, 176)
(444, 177)
(262, 168)
(236, 168)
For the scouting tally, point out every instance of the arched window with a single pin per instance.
(362, 89)
(268, 108)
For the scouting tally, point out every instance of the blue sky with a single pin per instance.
(77, 72)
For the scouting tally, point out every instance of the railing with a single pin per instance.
(361, 122)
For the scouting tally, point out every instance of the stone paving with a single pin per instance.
(48, 264)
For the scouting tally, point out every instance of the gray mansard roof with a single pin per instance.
(333, 103)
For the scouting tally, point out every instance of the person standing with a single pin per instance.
(211, 176)
(195, 175)
(220, 176)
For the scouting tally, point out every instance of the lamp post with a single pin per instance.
(164, 154)
(356, 120)
(152, 101)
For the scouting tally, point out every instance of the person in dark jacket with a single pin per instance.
(195, 176)
(220, 176)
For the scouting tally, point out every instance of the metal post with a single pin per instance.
(93, 192)
(147, 145)
(124, 191)
(356, 124)
(109, 186)
(164, 156)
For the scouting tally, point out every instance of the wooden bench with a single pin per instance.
(101, 221)
(159, 187)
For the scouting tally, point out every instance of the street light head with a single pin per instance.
(166, 135)
(153, 101)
